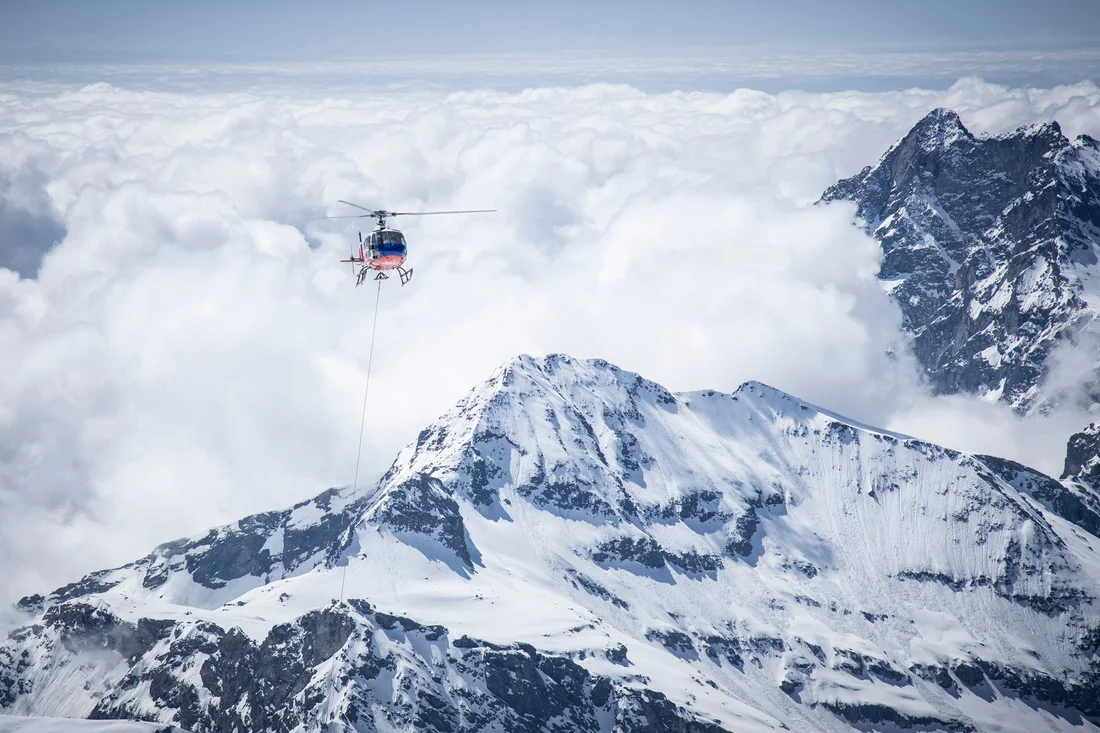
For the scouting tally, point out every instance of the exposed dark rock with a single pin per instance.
(235, 551)
(244, 685)
(968, 673)
(1081, 694)
(739, 543)
(1082, 469)
(569, 496)
(31, 604)
(83, 627)
(647, 552)
(646, 711)
(694, 562)
(86, 586)
(1058, 598)
(642, 550)
(701, 506)
(1083, 511)
(592, 587)
(1083, 456)
(861, 665)
(422, 506)
(719, 648)
(807, 569)
(617, 655)
(861, 713)
(934, 673)
(536, 691)
(229, 558)
(675, 641)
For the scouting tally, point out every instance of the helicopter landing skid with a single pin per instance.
(402, 273)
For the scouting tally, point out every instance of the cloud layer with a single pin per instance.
(192, 350)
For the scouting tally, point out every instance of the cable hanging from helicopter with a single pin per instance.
(385, 248)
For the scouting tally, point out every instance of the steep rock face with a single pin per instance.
(1081, 474)
(572, 547)
(1083, 456)
(989, 247)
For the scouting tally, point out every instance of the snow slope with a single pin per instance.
(572, 547)
(14, 724)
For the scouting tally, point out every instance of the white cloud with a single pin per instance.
(192, 351)
(975, 426)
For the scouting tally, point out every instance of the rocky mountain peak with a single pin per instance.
(989, 248)
(939, 129)
(560, 376)
(1050, 130)
(573, 547)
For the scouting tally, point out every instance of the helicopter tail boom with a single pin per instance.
(361, 257)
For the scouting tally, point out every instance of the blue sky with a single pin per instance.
(1007, 41)
(202, 30)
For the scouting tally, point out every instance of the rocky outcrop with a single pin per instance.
(206, 678)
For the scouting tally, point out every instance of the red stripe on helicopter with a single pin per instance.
(389, 262)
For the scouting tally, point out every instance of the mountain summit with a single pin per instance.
(573, 547)
(989, 246)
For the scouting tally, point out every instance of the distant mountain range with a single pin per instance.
(990, 246)
(575, 548)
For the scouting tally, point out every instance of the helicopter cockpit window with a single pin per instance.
(390, 237)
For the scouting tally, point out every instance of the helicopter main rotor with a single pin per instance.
(381, 214)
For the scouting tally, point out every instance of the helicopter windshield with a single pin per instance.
(389, 237)
(386, 242)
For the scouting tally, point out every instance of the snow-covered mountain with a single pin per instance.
(25, 724)
(575, 548)
(990, 248)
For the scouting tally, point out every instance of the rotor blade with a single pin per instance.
(432, 213)
(364, 208)
(356, 216)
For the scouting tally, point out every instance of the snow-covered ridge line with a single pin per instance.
(574, 545)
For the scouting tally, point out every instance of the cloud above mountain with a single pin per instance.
(192, 350)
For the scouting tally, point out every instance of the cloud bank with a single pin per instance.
(191, 350)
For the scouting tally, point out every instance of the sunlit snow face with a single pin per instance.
(192, 350)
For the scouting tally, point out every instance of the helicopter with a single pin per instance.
(385, 248)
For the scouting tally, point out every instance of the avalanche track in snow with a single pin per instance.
(573, 547)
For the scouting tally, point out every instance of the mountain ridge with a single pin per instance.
(990, 248)
(571, 532)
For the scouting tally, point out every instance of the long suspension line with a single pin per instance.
(325, 721)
